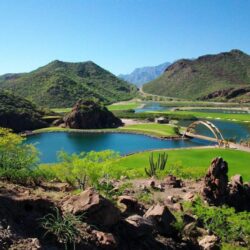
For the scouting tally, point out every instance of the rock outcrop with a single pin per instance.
(215, 189)
(218, 190)
(89, 114)
(131, 205)
(161, 218)
(97, 210)
(239, 194)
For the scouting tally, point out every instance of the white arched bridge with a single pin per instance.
(218, 137)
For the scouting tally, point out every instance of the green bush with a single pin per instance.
(18, 160)
(81, 169)
(229, 225)
(14, 153)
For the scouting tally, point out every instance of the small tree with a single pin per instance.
(85, 168)
(14, 153)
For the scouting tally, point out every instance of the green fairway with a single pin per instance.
(124, 106)
(207, 115)
(193, 162)
(152, 129)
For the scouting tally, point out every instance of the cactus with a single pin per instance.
(159, 165)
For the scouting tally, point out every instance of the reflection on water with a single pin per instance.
(50, 143)
(152, 106)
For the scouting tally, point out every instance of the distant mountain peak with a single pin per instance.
(139, 76)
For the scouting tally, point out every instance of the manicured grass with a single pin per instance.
(124, 106)
(207, 115)
(151, 129)
(193, 162)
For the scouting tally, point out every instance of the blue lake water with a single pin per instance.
(153, 106)
(224, 111)
(50, 143)
(229, 129)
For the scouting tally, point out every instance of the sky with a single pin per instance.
(118, 35)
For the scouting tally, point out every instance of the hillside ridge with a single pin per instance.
(61, 84)
(200, 77)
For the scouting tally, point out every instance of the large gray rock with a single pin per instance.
(95, 208)
(139, 226)
(131, 205)
(161, 218)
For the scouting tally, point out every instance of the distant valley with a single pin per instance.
(145, 74)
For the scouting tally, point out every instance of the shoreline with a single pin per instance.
(103, 131)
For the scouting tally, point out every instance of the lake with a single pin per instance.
(229, 129)
(50, 143)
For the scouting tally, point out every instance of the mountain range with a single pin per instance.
(222, 77)
(61, 84)
(145, 74)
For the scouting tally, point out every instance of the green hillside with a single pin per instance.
(19, 114)
(225, 76)
(61, 84)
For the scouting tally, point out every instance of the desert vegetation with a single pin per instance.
(123, 190)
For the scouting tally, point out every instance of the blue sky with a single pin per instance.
(119, 35)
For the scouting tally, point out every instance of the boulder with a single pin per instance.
(239, 194)
(89, 114)
(95, 208)
(105, 240)
(172, 181)
(131, 205)
(161, 218)
(209, 242)
(215, 189)
(138, 226)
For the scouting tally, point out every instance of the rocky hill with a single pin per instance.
(19, 114)
(145, 74)
(61, 84)
(210, 77)
(89, 114)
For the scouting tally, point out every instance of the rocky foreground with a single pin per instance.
(120, 221)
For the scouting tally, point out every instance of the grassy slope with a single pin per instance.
(19, 114)
(196, 78)
(61, 84)
(151, 129)
(193, 161)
